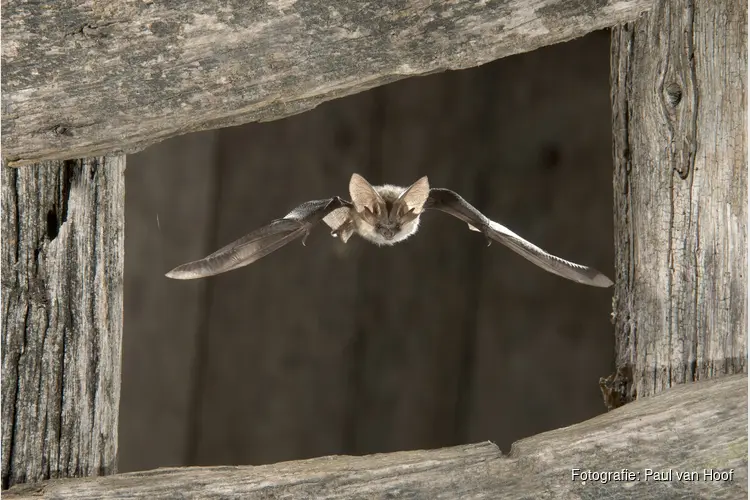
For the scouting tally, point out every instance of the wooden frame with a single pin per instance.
(680, 151)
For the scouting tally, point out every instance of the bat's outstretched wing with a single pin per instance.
(449, 202)
(261, 242)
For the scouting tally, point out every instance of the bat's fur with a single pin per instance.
(383, 215)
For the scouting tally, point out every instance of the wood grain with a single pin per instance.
(680, 148)
(693, 427)
(84, 78)
(62, 298)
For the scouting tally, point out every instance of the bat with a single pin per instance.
(383, 215)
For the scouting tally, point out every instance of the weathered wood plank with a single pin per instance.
(170, 214)
(693, 427)
(680, 148)
(62, 260)
(79, 79)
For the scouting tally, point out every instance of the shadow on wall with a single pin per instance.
(333, 348)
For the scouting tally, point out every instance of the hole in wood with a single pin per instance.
(674, 94)
(53, 227)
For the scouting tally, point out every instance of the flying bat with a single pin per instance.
(383, 215)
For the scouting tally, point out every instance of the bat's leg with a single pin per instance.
(345, 235)
(304, 238)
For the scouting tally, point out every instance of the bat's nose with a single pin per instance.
(388, 234)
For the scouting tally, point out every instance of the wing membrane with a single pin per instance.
(260, 242)
(451, 203)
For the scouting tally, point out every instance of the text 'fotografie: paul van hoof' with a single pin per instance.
(651, 475)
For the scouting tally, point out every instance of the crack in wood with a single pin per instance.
(624, 318)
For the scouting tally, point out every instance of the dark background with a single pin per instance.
(355, 349)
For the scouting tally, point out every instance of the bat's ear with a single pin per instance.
(363, 195)
(415, 196)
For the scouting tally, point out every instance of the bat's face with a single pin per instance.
(387, 214)
(389, 223)
(385, 230)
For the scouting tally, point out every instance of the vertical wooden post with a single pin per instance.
(680, 152)
(62, 290)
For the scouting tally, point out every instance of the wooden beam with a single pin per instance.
(698, 427)
(83, 80)
(62, 260)
(679, 104)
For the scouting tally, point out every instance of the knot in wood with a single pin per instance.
(62, 130)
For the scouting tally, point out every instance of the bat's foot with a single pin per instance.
(489, 240)
(304, 238)
(484, 232)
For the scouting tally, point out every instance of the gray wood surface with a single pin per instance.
(693, 428)
(62, 317)
(679, 88)
(80, 80)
